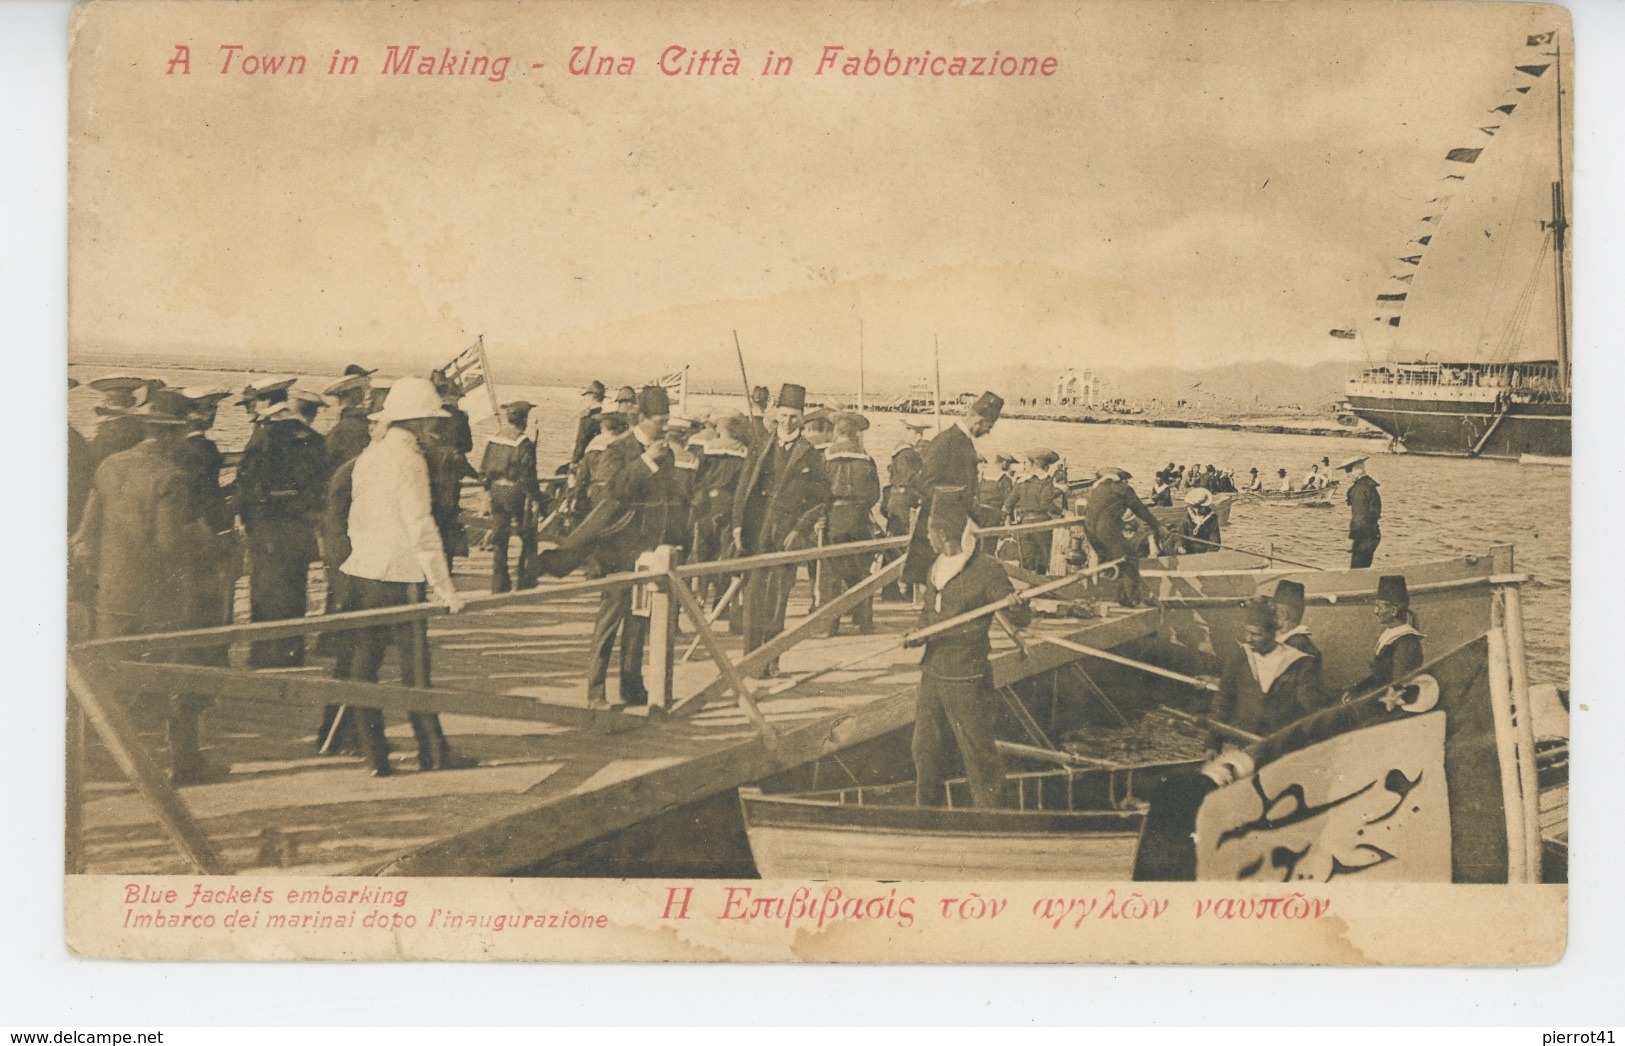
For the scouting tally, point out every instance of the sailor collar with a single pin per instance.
(1301, 630)
(1267, 668)
(846, 455)
(733, 450)
(510, 441)
(1404, 628)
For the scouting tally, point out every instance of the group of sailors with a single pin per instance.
(158, 541)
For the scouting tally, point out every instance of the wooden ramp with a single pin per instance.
(508, 680)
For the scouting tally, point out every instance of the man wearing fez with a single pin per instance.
(780, 501)
(1267, 685)
(949, 460)
(956, 704)
(628, 518)
(854, 490)
(281, 487)
(145, 544)
(349, 435)
(1291, 631)
(509, 473)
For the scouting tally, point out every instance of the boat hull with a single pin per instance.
(792, 838)
(1456, 428)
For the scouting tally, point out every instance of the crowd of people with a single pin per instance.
(158, 541)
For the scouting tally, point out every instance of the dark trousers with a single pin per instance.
(365, 656)
(767, 596)
(1365, 546)
(1167, 850)
(840, 574)
(615, 618)
(1035, 549)
(1128, 572)
(279, 557)
(897, 524)
(960, 709)
(504, 524)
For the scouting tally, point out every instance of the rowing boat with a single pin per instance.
(1312, 494)
(1066, 824)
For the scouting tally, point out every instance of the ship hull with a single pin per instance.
(1459, 429)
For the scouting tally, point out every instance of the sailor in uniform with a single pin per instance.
(713, 505)
(1365, 514)
(1110, 500)
(1035, 497)
(956, 704)
(901, 498)
(1399, 646)
(352, 432)
(1291, 631)
(116, 428)
(1198, 530)
(201, 460)
(949, 462)
(854, 490)
(508, 470)
(1266, 685)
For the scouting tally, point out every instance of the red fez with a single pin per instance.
(793, 397)
(1391, 589)
(1289, 594)
(950, 509)
(653, 401)
(988, 406)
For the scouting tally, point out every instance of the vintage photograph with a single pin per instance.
(705, 452)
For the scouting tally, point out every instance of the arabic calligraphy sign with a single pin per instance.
(1371, 803)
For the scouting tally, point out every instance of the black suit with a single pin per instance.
(782, 495)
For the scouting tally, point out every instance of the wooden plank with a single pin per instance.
(119, 736)
(126, 646)
(509, 843)
(747, 700)
(317, 691)
(776, 646)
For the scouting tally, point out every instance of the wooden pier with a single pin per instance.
(508, 682)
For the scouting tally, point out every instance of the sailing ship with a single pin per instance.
(1504, 406)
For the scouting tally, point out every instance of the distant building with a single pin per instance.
(1073, 389)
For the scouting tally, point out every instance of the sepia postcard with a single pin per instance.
(728, 480)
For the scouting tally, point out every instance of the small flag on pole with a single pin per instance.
(1415, 259)
(1507, 108)
(1534, 70)
(676, 386)
(470, 371)
(1541, 38)
(1346, 335)
(1391, 297)
(1463, 155)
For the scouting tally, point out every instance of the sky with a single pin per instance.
(1199, 184)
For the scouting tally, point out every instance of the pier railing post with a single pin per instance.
(662, 625)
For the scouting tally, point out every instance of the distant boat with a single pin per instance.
(1314, 494)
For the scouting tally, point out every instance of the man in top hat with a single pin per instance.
(395, 552)
(628, 518)
(592, 409)
(508, 471)
(280, 491)
(902, 497)
(143, 542)
(956, 706)
(352, 431)
(949, 461)
(116, 430)
(1399, 645)
(1198, 529)
(1267, 685)
(1365, 514)
(781, 498)
(854, 491)
(1033, 498)
(1110, 501)
(1291, 630)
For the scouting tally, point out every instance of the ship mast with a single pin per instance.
(1559, 226)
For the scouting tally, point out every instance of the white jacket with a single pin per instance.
(392, 532)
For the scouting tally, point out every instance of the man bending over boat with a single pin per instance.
(956, 673)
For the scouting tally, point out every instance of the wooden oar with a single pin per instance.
(1107, 655)
(1251, 552)
(1234, 733)
(1056, 755)
(919, 636)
